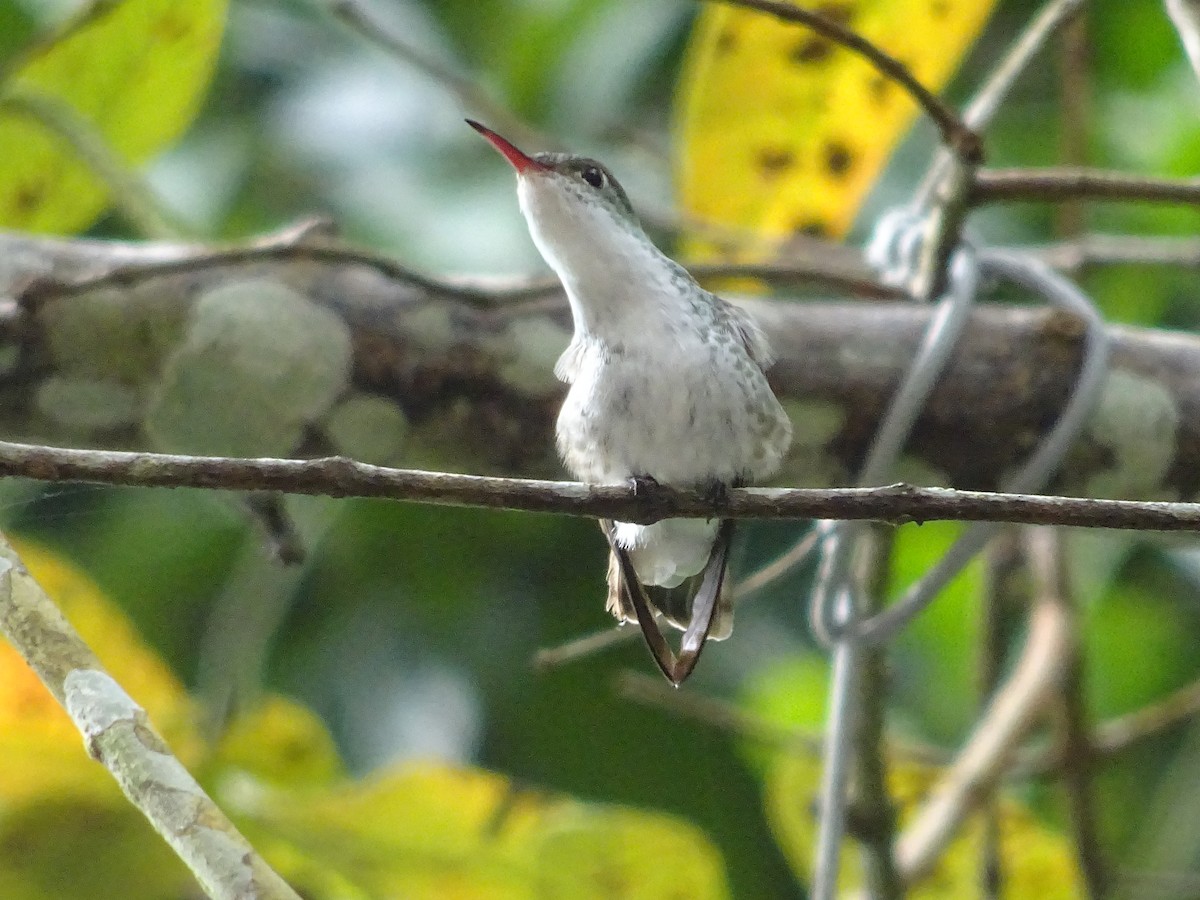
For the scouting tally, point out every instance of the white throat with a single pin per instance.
(620, 286)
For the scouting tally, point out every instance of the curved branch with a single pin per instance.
(117, 734)
(962, 140)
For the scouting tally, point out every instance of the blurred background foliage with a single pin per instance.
(410, 630)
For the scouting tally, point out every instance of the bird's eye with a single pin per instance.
(592, 176)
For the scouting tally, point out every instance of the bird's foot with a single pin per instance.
(716, 492)
(642, 485)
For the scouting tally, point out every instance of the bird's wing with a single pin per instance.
(752, 336)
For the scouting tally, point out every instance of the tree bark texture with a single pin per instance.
(310, 348)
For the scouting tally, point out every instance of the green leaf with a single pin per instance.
(134, 72)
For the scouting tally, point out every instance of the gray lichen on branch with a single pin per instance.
(458, 373)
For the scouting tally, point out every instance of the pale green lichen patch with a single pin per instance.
(368, 428)
(430, 327)
(87, 404)
(1138, 422)
(808, 463)
(533, 347)
(259, 362)
(121, 334)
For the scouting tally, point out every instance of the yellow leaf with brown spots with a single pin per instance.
(782, 133)
(132, 71)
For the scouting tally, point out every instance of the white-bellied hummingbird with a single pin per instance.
(667, 386)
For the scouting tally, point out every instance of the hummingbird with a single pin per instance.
(667, 386)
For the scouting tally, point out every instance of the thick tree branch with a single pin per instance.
(117, 734)
(466, 364)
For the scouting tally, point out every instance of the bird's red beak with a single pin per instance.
(522, 162)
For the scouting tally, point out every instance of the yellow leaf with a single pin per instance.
(135, 71)
(782, 132)
(281, 742)
(1038, 861)
(40, 746)
(433, 831)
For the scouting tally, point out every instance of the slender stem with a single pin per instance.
(466, 90)
(961, 139)
(340, 477)
(1048, 565)
(1073, 255)
(1063, 183)
(872, 818)
(1004, 591)
(1185, 16)
(128, 191)
(995, 739)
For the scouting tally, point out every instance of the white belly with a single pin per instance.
(710, 418)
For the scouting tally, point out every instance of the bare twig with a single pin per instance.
(1075, 106)
(134, 198)
(871, 817)
(1185, 15)
(1056, 184)
(716, 714)
(598, 641)
(466, 90)
(1115, 735)
(340, 477)
(582, 647)
(1073, 255)
(983, 106)
(1047, 562)
(1005, 591)
(984, 759)
(961, 139)
(117, 734)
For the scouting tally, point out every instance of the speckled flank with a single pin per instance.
(666, 378)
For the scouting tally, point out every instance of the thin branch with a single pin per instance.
(582, 647)
(1056, 184)
(129, 192)
(716, 714)
(728, 719)
(288, 245)
(469, 94)
(871, 815)
(1004, 591)
(340, 477)
(1116, 735)
(1048, 564)
(987, 100)
(983, 106)
(117, 734)
(1073, 255)
(1075, 109)
(984, 759)
(589, 644)
(962, 140)
(1185, 16)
